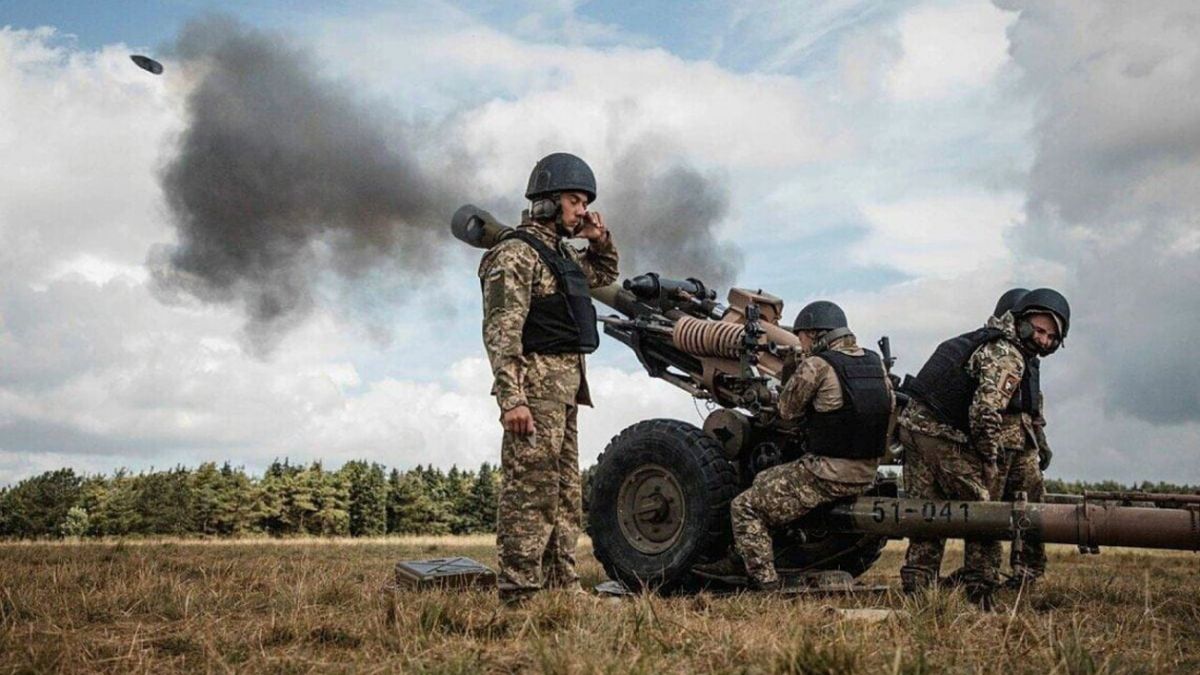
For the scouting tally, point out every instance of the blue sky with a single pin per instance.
(909, 160)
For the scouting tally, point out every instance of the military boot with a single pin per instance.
(729, 570)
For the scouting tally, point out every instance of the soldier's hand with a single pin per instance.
(1044, 456)
(591, 226)
(518, 420)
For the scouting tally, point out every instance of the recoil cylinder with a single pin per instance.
(698, 337)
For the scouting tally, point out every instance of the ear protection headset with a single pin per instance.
(545, 208)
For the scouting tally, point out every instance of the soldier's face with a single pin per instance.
(1045, 331)
(806, 340)
(573, 206)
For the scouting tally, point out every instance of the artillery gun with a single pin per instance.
(660, 493)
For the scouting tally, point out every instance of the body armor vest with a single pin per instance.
(563, 322)
(1028, 398)
(944, 385)
(859, 429)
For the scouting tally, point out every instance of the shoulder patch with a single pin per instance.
(1010, 384)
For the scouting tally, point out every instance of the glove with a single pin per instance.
(790, 363)
(1044, 456)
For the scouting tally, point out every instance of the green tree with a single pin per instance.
(368, 498)
(75, 524)
(484, 499)
(36, 506)
(414, 511)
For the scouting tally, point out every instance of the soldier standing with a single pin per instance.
(845, 396)
(953, 428)
(538, 323)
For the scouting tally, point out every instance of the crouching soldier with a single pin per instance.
(953, 429)
(845, 397)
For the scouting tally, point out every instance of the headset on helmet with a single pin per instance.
(554, 174)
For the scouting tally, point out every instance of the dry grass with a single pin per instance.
(321, 606)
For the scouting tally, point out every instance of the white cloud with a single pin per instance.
(948, 48)
(942, 236)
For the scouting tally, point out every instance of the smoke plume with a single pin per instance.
(282, 175)
(668, 215)
(1114, 190)
(276, 160)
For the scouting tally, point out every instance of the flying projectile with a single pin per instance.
(146, 63)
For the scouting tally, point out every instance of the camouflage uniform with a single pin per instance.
(940, 462)
(540, 506)
(784, 493)
(1023, 439)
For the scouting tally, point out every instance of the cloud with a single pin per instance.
(946, 49)
(1114, 189)
(940, 236)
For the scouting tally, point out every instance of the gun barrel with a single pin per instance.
(1087, 525)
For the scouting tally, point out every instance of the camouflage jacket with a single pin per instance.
(512, 273)
(1019, 431)
(997, 366)
(813, 380)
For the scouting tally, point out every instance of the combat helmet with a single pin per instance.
(1006, 301)
(823, 316)
(561, 172)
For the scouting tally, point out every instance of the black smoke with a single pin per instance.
(275, 160)
(666, 216)
(282, 175)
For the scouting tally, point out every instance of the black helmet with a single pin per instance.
(1006, 301)
(820, 315)
(561, 172)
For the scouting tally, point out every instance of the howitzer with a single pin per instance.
(660, 492)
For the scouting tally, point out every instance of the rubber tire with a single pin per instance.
(851, 553)
(708, 482)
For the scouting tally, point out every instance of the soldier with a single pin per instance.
(845, 396)
(1025, 456)
(953, 428)
(538, 323)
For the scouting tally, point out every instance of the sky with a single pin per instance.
(247, 258)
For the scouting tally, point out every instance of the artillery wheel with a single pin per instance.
(659, 504)
(805, 546)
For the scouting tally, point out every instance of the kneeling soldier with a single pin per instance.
(844, 394)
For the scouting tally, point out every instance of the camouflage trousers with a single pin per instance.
(540, 503)
(936, 468)
(1023, 474)
(778, 496)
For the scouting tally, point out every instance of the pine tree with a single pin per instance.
(36, 506)
(484, 499)
(75, 524)
(368, 498)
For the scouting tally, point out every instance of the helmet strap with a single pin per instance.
(829, 336)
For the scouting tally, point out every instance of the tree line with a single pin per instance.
(359, 499)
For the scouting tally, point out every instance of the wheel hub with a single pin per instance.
(651, 509)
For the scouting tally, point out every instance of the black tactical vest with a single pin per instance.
(858, 429)
(563, 322)
(944, 383)
(1028, 398)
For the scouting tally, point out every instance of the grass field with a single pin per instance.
(300, 606)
